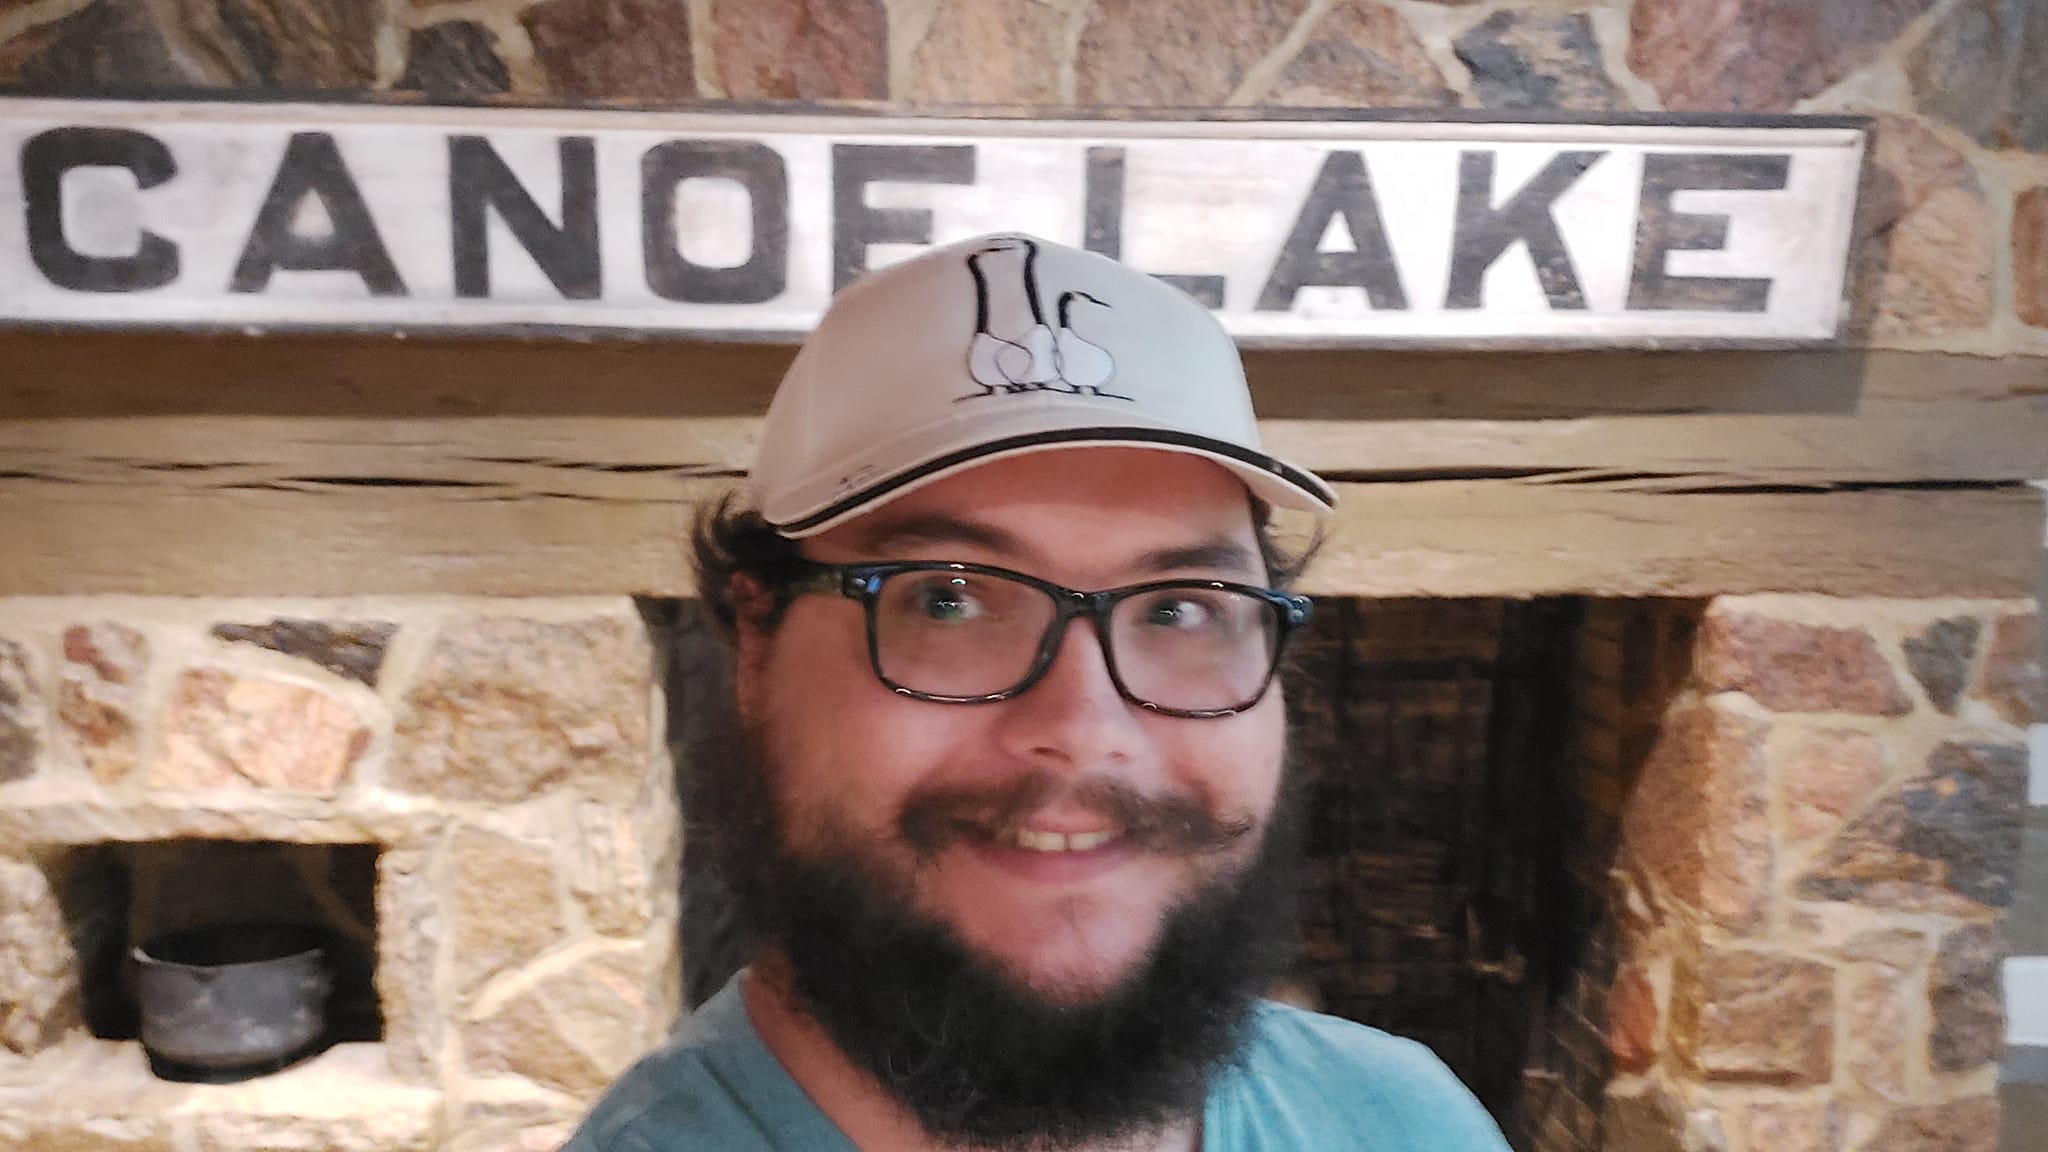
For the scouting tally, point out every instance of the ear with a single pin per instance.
(752, 604)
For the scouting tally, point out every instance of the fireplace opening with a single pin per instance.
(118, 895)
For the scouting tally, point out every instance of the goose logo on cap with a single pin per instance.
(1039, 358)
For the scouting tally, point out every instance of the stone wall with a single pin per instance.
(505, 761)
(1814, 854)
(1955, 248)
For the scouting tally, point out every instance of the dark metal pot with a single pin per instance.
(231, 1001)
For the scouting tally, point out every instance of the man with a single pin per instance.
(1012, 830)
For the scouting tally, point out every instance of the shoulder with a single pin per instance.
(1327, 1074)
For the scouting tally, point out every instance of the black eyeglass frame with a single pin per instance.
(863, 582)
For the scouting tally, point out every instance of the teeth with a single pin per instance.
(1032, 841)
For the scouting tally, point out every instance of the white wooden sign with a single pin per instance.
(1300, 231)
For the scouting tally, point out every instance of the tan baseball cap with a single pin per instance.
(995, 347)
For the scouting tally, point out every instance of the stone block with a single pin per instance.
(1961, 72)
(1632, 1022)
(494, 873)
(989, 52)
(1922, 264)
(1967, 1125)
(409, 950)
(39, 994)
(97, 50)
(1757, 55)
(454, 58)
(1939, 656)
(1880, 1022)
(1963, 994)
(1755, 1017)
(1946, 840)
(99, 697)
(611, 872)
(352, 649)
(1828, 776)
(1788, 666)
(1698, 822)
(613, 49)
(1896, 948)
(224, 730)
(1361, 55)
(37, 1129)
(505, 709)
(1176, 53)
(802, 49)
(2011, 680)
(1538, 60)
(22, 718)
(1782, 1125)
(2030, 256)
(575, 1030)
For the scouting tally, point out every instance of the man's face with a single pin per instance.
(1030, 891)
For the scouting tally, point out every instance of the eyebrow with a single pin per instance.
(1215, 553)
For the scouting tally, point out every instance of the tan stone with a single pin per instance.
(1755, 1017)
(1894, 948)
(1963, 994)
(614, 49)
(1879, 1038)
(99, 696)
(1783, 1125)
(2011, 680)
(802, 49)
(1170, 53)
(39, 995)
(38, 1129)
(1969, 1125)
(1361, 55)
(1757, 55)
(2030, 256)
(505, 709)
(1632, 1022)
(1698, 822)
(1923, 262)
(1788, 666)
(989, 52)
(507, 911)
(611, 873)
(575, 1030)
(1826, 778)
(22, 720)
(409, 949)
(222, 729)
(378, 1129)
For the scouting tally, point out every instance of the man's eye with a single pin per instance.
(948, 605)
(1181, 613)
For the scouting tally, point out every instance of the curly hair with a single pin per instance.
(732, 539)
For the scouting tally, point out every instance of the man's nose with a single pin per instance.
(1074, 717)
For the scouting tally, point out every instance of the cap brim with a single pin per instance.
(1272, 480)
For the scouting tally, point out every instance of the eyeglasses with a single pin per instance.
(974, 633)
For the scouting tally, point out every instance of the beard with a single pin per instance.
(980, 1058)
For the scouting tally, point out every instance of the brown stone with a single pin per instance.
(454, 58)
(21, 715)
(1963, 992)
(802, 49)
(353, 649)
(1939, 658)
(1757, 55)
(1969, 1125)
(2011, 680)
(1923, 258)
(1784, 1125)
(1645, 1119)
(614, 49)
(1895, 948)
(1755, 1017)
(39, 997)
(1176, 52)
(1362, 55)
(222, 729)
(494, 875)
(1826, 778)
(2030, 256)
(136, 45)
(1632, 1022)
(1699, 820)
(1946, 840)
(100, 693)
(108, 47)
(1879, 1039)
(989, 52)
(1792, 667)
(575, 1030)
(1538, 60)
(504, 709)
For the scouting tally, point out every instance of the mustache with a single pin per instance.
(936, 817)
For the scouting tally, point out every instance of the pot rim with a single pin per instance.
(314, 947)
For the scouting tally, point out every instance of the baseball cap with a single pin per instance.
(995, 347)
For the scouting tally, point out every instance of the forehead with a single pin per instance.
(1087, 508)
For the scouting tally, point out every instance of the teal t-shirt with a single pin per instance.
(1305, 1081)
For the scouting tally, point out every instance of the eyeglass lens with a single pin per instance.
(965, 634)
